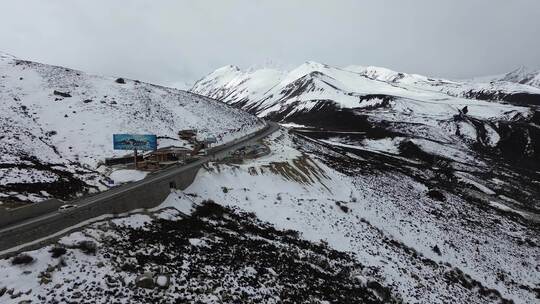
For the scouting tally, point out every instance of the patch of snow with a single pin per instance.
(467, 178)
(293, 125)
(124, 176)
(133, 221)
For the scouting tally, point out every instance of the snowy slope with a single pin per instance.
(472, 148)
(47, 138)
(192, 253)
(425, 249)
(524, 76)
(399, 191)
(364, 230)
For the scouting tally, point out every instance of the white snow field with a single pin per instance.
(48, 137)
(124, 176)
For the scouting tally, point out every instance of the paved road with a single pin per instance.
(215, 153)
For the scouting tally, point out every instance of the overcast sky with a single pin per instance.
(175, 41)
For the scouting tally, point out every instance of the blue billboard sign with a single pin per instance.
(134, 142)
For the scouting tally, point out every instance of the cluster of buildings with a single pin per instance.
(166, 156)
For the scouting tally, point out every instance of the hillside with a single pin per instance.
(56, 125)
(308, 223)
(460, 158)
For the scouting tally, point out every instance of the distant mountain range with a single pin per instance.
(521, 75)
(270, 92)
(357, 98)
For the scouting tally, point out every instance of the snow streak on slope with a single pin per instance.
(57, 124)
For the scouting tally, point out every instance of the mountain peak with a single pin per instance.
(227, 69)
(6, 56)
(314, 64)
(522, 75)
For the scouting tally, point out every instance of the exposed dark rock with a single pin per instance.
(22, 259)
(409, 149)
(63, 94)
(326, 116)
(88, 247)
(58, 251)
(342, 206)
(436, 195)
(146, 280)
(514, 98)
(120, 80)
(436, 250)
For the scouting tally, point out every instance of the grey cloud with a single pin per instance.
(176, 41)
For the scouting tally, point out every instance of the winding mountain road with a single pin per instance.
(215, 153)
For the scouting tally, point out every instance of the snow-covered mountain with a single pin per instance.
(521, 75)
(399, 115)
(388, 188)
(472, 147)
(265, 91)
(56, 125)
(316, 94)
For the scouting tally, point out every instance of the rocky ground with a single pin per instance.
(214, 255)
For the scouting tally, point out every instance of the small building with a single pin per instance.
(168, 154)
(122, 160)
(208, 142)
(187, 134)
